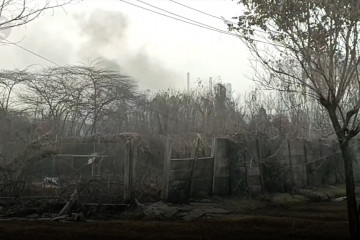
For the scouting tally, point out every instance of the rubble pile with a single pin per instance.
(72, 210)
(187, 212)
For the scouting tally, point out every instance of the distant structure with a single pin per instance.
(228, 91)
(188, 82)
(213, 86)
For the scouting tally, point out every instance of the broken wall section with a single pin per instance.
(263, 165)
(197, 177)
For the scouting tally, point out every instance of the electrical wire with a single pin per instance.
(181, 20)
(195, 23)
(208, 26)
(190, 21)
(29, 51)
(213, 16)
(208, 14)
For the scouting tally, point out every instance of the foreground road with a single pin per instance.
(325, 220)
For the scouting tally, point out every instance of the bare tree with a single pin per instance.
(76, 95)
(314, 46)
(103, 91)
(203, 111)
(8, 81)
(14, 13)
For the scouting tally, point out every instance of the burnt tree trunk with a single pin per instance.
(344, 135)
(352, 208)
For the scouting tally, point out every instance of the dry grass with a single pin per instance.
(288, 199)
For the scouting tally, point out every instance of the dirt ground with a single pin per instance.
(300, 220)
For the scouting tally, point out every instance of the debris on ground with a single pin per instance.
(188, 212)
(339, 199)
(72, 207)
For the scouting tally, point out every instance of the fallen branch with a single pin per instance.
(74, 198)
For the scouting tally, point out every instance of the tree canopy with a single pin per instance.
(314, 50)
(314, 46)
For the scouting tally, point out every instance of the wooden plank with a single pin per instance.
(205, 159)
(78, 155)
(182, 159)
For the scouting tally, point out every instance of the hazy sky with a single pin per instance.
(155, 50)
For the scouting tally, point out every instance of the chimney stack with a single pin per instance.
(188, 82)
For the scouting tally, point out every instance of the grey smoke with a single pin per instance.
(104, 30)
(87, 37)
(150, 73)
(100, 28)
(110, 64)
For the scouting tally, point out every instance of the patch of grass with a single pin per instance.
(288, 199)
(333, 191)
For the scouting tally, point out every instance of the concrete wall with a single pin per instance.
(234, 167)
(221, 180)
(287, 165)
(200, 177)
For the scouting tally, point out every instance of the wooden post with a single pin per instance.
(99, 166)
(213, 154)
(246, 173)
(133, 162)
(194, 155)
(291, 168)
(60, 171)
(131, 169)
(93, 168)
(318, 167)
(306, 165)
(166, 170)
(336, 166)
(258, 152)
(128, 171)
(53, 167)
(213, 142)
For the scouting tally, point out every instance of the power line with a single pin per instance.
(181, 20)
(29, 51)
(213, 16)
(208, 26)
(195, 23)
(192, 22)
(208, 14)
